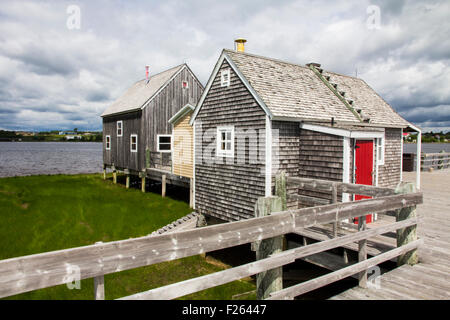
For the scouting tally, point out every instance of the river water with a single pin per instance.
(31, 158)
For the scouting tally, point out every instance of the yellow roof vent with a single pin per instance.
(240, 44)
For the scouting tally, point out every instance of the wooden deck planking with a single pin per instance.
(430, 278)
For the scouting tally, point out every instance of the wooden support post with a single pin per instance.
(408, 234)
(362, 252)
(191, 193)
(142, 175)
(334, 193)
(271, 280)
(114, 176)
(99, 285)
(127, 183)
(104, 172)
(163, 185)
(280, 189)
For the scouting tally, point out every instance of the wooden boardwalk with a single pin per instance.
(430, 278)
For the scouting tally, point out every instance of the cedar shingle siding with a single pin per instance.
(389, 173)
(228, 190)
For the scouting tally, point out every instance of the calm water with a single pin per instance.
(30, 158)
(426, 147)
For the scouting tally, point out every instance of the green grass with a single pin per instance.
(46, 213)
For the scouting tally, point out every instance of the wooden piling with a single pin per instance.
(142, 175)
(163, 185)
(114, 176)
(104, 173)
(127, 184)
(408, 234)
(271, 280)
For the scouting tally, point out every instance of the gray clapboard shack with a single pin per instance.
(259, 116)
(137, 134)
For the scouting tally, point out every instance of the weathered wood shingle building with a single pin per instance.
(136, 131)
(258, 116)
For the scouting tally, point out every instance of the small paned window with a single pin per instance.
(164, 143)
(225, 141)
(108, 142)
(134, 143)
(119, 128)
(380, 151)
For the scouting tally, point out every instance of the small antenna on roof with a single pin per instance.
(356, 72)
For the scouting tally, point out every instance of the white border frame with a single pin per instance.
(121, 128)
(137, 142)
(220, 153)
(224, 83)
(171, 142)
(106, 142)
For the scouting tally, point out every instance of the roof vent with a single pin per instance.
(240, 44)
(313, 64)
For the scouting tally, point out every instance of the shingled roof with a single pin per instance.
(137, 96)
(296, 92)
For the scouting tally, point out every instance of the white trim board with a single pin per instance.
(342, 132)
(268, 147)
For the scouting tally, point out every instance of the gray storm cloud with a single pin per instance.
(55, 77)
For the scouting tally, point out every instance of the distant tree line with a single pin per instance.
(431, 137)
(6, 135)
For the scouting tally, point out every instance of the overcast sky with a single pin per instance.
(56, 74)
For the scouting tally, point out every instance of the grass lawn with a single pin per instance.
(46, 213)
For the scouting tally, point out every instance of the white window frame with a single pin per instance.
(225, 82)
(219, 151)
(121, 128)
(380, 151)
(131, 142)
(171, 142)
(108, 142)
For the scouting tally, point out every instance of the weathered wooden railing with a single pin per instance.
(18, 275)
(432, 161)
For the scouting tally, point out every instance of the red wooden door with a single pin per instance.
(364, 168)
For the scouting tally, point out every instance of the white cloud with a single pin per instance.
(52, 77)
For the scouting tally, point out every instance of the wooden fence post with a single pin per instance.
(271, 280)
(362, 252)
(408, 234)
(441, 161)
(334, 194)
(280, 189)
(99, 285)
(104, 172)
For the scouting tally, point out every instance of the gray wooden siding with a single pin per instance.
(147, 124)
(226, 190)
(321, 157)
(389, 173)
(286, 154)
(120, 155)
(169, 101)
